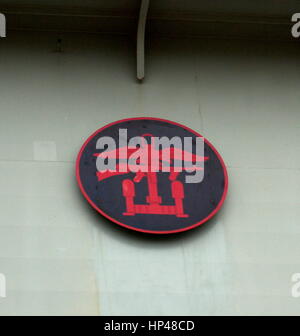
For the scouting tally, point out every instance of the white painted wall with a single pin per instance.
(60, 257)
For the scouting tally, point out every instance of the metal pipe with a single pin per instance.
(140, 46)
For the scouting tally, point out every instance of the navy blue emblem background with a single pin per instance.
(201, 199)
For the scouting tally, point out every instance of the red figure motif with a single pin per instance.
(154, 201)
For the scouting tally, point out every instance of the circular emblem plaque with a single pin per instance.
(152, 175)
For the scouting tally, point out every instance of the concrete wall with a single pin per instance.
(60, 257)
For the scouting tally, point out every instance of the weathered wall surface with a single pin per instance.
(59, 257)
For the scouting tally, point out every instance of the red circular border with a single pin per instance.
(148, 231)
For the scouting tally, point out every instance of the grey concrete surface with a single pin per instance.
(60, 257)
